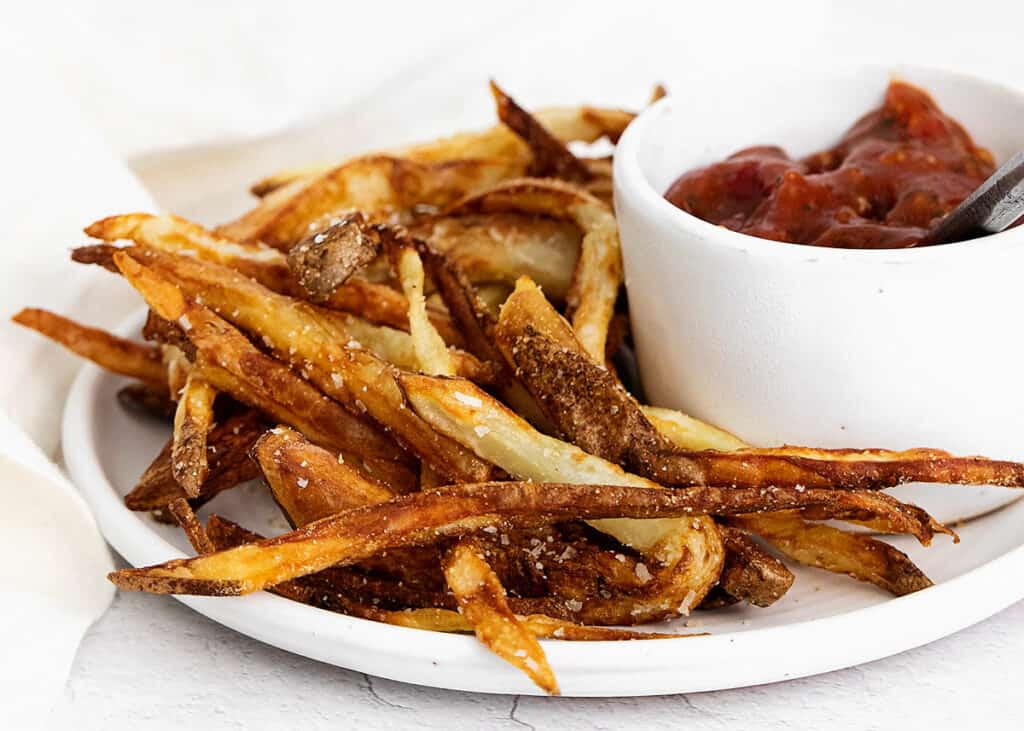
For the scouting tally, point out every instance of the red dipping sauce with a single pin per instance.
(889, 179)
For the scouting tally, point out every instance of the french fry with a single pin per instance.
(751, 574)
(431, 352)
(567, 124)
(189, 523)
(228, 445)
(309, 482)
(859, 556)
(423, 518)
(598, 272)
(502, 246)
(376, 302)
(108, 351)
(310, 341)
(483, 602)
(192, 420)
(551, 158)
(587, 402)
(233, 365)
(375, 184)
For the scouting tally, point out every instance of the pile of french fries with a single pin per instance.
(416, 351)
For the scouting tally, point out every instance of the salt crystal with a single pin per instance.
(465, 398)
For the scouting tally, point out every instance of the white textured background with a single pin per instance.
(200, 100)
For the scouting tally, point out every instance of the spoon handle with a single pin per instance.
(994, 206)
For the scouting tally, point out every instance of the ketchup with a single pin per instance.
(897, 171)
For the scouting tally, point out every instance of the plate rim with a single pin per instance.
(584, 669)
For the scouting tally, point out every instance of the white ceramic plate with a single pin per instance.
(824, 623)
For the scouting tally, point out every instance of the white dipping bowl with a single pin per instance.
(796, 344)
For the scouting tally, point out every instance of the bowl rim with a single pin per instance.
(630, 182)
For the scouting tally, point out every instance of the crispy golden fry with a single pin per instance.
(472, 417)
(143, 398)
(826, 547)
(312, 342)
(751, 574)
(859, 556)
(483, 602)
(376, 302)
(177, 235)
(477, 323)
(233, 365)
(108, 351)
(228, 445)
(375, 184)
(567, 124)
(310, 483)
(587, 403)
(189, 523)
(688, 433)
(431, 352)
(598, 272)
(551, 158)
(325, 590)
(690, 551)
(423, 518)
(192, 420)
(381, 305)
(501, 247)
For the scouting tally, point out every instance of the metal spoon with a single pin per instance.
(994, 206)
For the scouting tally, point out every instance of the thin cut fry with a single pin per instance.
(424, 518)
(551, 158)
(474, 418)
(376, 302)
(309, 482)
(598, 272)
(310, 340)
(483, 602)
(375, 184)
(235, 366)
(192, 420)
(189, 523)
(431, 351)
(860, 556)
(567, 124)
(751, 574)
(228, 445)
(108, 351)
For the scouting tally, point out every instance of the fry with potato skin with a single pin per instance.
(229, 444)
(859, 556)
(566, 124)
(598, 272)
(377, 302)
(310, 483)
(115, 354)
(182, 512)
(424, 518)
(483, 602)
(374, 184)
(587, 402)
(309, 339)
(551, 158)
(313, 590)
(232, 364)
(192, 420)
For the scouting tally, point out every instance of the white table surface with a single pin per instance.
(152, 663)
